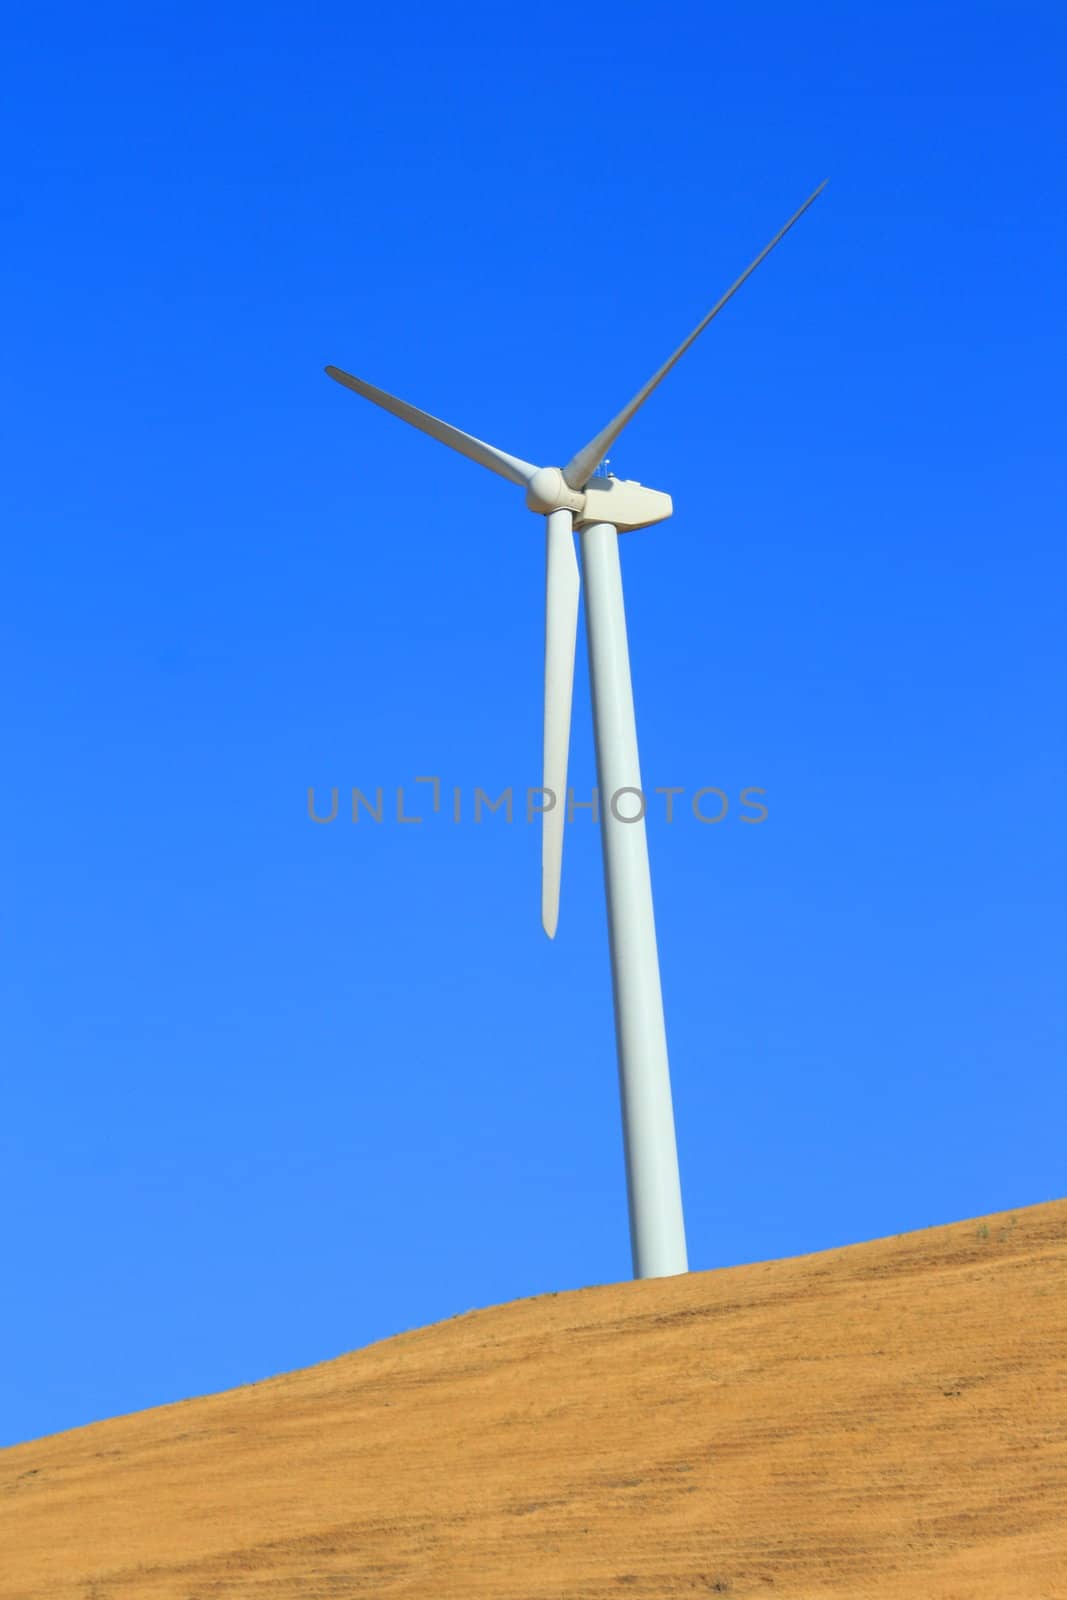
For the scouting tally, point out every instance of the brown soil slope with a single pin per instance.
(884, 1420)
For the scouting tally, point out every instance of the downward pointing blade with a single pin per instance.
(561, 628)
(486, 455)
(580, 468)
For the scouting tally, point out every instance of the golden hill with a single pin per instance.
(883, 1420)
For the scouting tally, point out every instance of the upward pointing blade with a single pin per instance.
(561, 628)
(486, 455)
(580, 469)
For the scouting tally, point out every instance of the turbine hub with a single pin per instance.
(548, 491)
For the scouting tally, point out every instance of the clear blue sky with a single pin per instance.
(272, 1091)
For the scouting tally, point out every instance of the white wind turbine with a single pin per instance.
(602, 507)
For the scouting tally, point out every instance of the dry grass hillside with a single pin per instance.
(884, 1420)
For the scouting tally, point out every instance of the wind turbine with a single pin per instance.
(602, 507)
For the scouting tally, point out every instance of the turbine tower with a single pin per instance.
(601, 508)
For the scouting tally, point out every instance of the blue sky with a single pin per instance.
(273, 1090)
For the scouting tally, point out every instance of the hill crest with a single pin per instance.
(883, 1419)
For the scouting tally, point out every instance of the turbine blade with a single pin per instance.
(486, 455)
(561, 629)
(580, 468)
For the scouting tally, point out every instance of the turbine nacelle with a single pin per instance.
(625, 503)
(617, 500)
